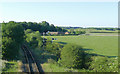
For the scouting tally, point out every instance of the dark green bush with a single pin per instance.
(10, 48)
(72, 56)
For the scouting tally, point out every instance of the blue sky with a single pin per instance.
(85, 14)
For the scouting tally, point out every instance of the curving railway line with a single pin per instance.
(31, 65)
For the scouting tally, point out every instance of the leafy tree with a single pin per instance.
(45, 26)
(24, 24)
(33, 38)
(72, 31)
(28, 31)
(80, 32)
(12, 38)
(52, 28)
(10, 48)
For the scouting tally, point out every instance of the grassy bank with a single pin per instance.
(13, 65)
(48, 62)
(10, 66)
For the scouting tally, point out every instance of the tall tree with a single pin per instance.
(12, 38)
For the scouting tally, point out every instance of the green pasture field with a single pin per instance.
(101, 45)
(105, 34)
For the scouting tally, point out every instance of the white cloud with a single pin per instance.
(59, 0)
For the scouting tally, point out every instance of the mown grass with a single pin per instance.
(102, 45)
(105, 34)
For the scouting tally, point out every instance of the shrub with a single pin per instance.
(53, 48)
(72, 56)
(51, 61)
(28, 31)
(104, 64)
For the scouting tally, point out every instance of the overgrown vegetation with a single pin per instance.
(10, 66)
(104, 64)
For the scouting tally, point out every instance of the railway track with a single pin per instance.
(31, 65)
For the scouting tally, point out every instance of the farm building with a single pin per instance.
(56, 33)
(67, 32)
(53, 33)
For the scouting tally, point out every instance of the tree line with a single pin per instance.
(41, 27)
(111, 29)
(107, 28)
(76, 32)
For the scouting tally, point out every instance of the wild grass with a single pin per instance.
(48, 67)
(10, 66)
